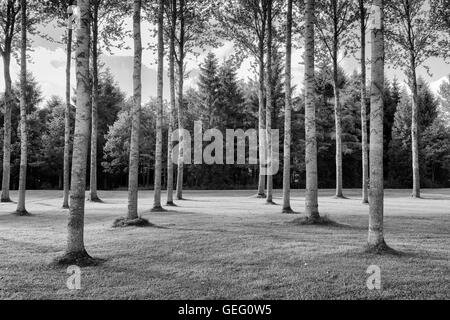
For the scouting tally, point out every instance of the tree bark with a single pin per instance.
(94, 132)
(172, 105)
(415, 129)
(269, 106)
(21, 210)
(364, 142)
(75, 244)
(159, 111)
(311, 197)
(133, 174)
(7, 127)
(338, 126)
(180, 102)
(376, 196)
(67, 123)
(287, 116)
(261, 118)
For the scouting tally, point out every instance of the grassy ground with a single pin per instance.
(229, 245)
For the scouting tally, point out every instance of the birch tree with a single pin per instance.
(133, 173)
(93, 196)
(411, 33)
(287, 114)
(311, 196)
(194, 31)
(334, 20)
(63, 12)
(75, 252)
(67, 129)
(245, 22)
(107, 25)
(171, 10)
(269, 91)
(159, 111)
(21, 210)
(364, 131)
(9, 18)
(376, 241)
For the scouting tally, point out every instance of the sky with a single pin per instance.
(48, 60)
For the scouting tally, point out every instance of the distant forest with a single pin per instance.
(235, 105)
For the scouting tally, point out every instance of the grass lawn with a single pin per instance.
(229, 245)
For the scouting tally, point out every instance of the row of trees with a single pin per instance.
(234, 104)
(256, 27)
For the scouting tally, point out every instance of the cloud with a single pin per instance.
(48, 67)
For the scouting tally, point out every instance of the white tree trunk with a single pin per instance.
(159, 111)
(311, 197)
(415, 130)
(180, 101)
(364, 142)
(133, 174)
(76, 252)
(287, 116)
(376, 197)
(172, 106)
(93, 196)
(67, 123)
(7, 127)
(21, 210)
(269, 107)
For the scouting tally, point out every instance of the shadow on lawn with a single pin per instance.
(323, 222)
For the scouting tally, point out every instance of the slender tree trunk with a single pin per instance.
(67, 123)
(338, 125)
(287, 116)
(21, 210)
(415, 130)
(376, 197)
(311, 197)
(261, 118)
(94, 132)
(159, 111)
(133, 178)
(76, 253)
(364, 142)
(269, 107)
(7, 127)
(172, 105)
(180, 103)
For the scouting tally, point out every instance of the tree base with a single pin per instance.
(66, 207)
(316, 221)
(341, 197)
(79, 259)
(158, 209)
(415, 197)
(288, 210)
(6, 200)
(94, 199)
(125, 223)
(171, 204)
(270, 203)
(22, 213)
(261, 196)
(365, 202)
(380, 249)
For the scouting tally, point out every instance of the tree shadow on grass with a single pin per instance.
(134, 223)
(319, 222)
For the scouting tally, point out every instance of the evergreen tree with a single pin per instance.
(208, 84)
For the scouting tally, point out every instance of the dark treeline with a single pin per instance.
(221, 100)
